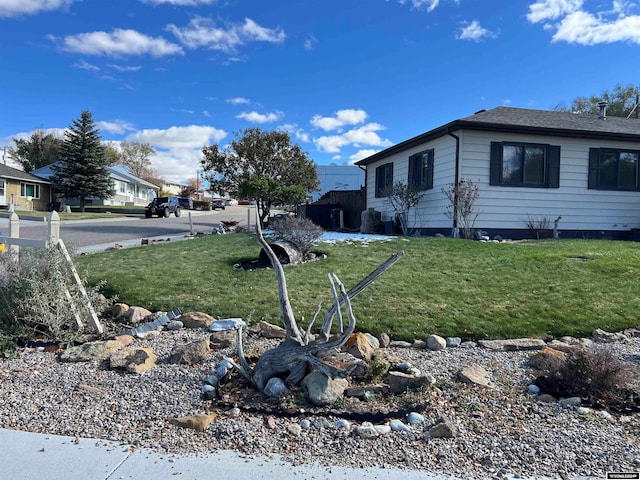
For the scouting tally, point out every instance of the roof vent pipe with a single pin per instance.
(602, 115)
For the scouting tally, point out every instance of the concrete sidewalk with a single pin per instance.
(33, 456)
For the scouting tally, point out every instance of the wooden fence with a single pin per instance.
(52, 240)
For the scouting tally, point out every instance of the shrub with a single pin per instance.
(201, 205)
(538, 226)
(302, 232)
(594, 373)
(462, 197)
(33, 298)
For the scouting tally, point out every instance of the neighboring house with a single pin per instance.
(172, 188)
(528, 164)
(23, 190)
(129, 190)
(337, 177)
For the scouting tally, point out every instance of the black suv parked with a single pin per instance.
(163, 207)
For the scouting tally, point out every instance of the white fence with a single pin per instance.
(53, 239)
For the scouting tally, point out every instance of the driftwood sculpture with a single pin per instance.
(288, 363)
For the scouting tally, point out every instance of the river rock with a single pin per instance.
(366, 430)
(436, 343)
(414, 418)
(384, 340)
(322, 390)
(174, 325)
(191, 353)
(444, 429)
(223, 339)
(453, 342)
(475, 374)
(276, 388)
(600, 336)
(401, 382)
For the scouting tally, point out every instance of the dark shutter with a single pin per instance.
(554, 166)
(412, 180)
(495, 164)
(379, 172)
(594, 156)
(429, 180)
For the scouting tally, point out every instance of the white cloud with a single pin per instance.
(238, 101)
(86, 66)
(203, 32)
(118, 43)
(551, 9)
(256, 117)
(473, 31)
(181, 3)
(341, 119)
(364, 135)
(360, 154)
(115, 126)
(428, 5)
(16, 8)
(572, 24)
(120, 68)
(293, 130)
(178, 149)
(206, 113)
(310, 42)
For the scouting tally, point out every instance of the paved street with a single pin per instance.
(82, 233)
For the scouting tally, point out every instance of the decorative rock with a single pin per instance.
(294, 429)
(276, 388)
(585, 342)
(118, 309)
(196, 320)
(401, 382)
(604, 414)
(382, 429)
(403, 367)
(136, 360)
(175, 325)
(561, 346)
(546, 398)
(271, 422)
(384, 340)
(211, 380)
(474, 374)
(147, 334)
(419, 344)
(209, 392)
(358, 345)
(305, 424)
(514, 344)
(364, 393)
(436, 343)
(233, 412)
(546, 358)
(398, 426)
(569, 340)
(366, 430)
(135, 315)
(400, 344)
(344, 424)
(468, 344)
(444, 429)
(533, 388)
(415, 418)
(90, 351)
(321, 422)
(268, 330)
(227, 324)
(583, 410)
(453, 342)
(195, 422)
(600, 336)
(322, 390)
(125, 339)
(346, 361)
(191, 353)
(223, 339)
(373, 341)
(570, 402)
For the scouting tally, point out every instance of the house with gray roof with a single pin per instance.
(529, 166)
(23, 191)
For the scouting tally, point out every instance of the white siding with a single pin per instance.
(580, 208)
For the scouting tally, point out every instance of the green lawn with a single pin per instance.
(450, 287)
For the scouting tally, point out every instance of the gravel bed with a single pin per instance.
(502, 431)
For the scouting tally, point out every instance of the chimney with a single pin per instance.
(603, 110)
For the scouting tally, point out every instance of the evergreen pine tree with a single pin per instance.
(82, 171)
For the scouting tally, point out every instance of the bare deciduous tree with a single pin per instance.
(462, 197)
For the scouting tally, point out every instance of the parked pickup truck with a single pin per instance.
(163, 207)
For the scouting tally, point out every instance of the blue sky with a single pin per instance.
(346, 78)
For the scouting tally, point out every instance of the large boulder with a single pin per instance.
(91, 351)
(135, 315)
(358, 345)
(268, 330)
(322, 390)
(134, 360)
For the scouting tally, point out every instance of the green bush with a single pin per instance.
(201, 205)
(33, 298)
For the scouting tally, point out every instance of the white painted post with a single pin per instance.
(14, 232)
(53, 235)
(249, 219)
(191, 225)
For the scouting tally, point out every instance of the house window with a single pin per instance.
(384, 180)
(525, 165)
(421, 170)
(122, 187)
(611, 169)
(30, 190)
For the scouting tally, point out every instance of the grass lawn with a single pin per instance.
(450, 287)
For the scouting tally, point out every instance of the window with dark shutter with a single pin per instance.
(421, 170)
(384, 180)
(613, 169)
(532, 165)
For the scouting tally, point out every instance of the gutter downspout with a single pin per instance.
(455, 231)
(366, 175)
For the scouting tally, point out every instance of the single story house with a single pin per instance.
(129, 189)
(528, 164)
(23, 190)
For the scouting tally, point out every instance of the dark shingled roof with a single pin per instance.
(15, 174)
(523, 120)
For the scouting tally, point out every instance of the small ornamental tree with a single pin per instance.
(402, 199)
(82, 170)
(462, 197)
